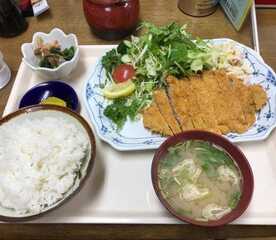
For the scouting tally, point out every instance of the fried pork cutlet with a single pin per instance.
(178, 95)
(153, 120)
(229, 111)
(203, 102)
(212, 101)
(259, 96)
(162, 101)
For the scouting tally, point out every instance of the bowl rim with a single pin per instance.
(36, 34)
(104, 2)
(239, 158)
(91, 160)
(47, 83)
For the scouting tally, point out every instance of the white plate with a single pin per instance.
(119, 190)
(134, 136)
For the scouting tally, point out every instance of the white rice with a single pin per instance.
(40, 160)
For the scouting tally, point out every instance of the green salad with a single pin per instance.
(149, 59)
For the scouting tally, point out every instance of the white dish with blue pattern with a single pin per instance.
(133, 136)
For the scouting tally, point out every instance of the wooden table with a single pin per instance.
(68, 15)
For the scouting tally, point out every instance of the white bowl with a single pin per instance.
(39, 112)
(64, 69)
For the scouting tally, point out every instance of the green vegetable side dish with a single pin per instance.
(199, 180)
(159, 52)
(51, 55)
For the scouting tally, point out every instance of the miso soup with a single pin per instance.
(199, 180)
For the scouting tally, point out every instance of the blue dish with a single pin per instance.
(51, 89)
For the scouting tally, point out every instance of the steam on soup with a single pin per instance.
(199, 180)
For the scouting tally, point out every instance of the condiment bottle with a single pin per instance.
(198, 8)
(112, 19)
(12, 22)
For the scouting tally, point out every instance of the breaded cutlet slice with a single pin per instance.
(178, 95)
(253, 98)
(232, 110)
(259, 96)
(245, 97)
(205, 116)
(216, 101)
(241, 108)
(162, 101)
(153, 120)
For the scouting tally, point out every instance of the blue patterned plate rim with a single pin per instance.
(123, 143)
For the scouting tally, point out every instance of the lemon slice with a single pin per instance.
(119, 90)
(54, 100)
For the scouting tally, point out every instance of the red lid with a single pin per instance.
(24, 4)
(266, 2)
(106, 2)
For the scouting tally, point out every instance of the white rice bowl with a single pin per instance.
(43, 157)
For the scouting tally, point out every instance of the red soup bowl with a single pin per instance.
(247, 181)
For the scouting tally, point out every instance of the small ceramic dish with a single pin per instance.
(66, 41)
(38, 112)
(247, 181)
(44, 90)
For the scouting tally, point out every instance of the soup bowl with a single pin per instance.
(246, 181)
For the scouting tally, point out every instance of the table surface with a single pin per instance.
(69, 17)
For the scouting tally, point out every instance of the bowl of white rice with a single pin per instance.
(46, 154)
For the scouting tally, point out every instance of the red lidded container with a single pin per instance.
(112, 19)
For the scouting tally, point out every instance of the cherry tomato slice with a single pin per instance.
(123, 73)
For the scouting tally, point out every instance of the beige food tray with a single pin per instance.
(119, 189)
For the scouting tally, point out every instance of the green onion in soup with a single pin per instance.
(199, 180)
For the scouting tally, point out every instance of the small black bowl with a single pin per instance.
(44, 90)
